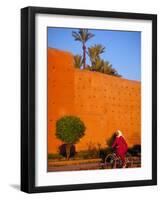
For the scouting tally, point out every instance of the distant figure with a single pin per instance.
(120, 146)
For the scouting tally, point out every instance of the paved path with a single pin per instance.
(88, 166)
(85, 166)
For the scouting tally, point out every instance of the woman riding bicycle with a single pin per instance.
(120, 147)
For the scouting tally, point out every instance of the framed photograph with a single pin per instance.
(88, 99)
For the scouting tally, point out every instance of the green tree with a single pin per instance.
(108, 69)
(78, 61)
(82, 36)
(97, 65)
(114, 72)
(94, 53)
(70, 129)
(104, 67)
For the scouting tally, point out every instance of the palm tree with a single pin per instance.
(107, 68)
(97, 65)
(94, 53)
(83, 36)
(78, 61)
(104, 67)
(114, 72)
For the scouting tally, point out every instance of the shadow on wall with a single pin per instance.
(62, 150)
(110, 140)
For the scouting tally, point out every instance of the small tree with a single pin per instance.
(78, 61)
(94, 53)
(69, 129)
(83, 35)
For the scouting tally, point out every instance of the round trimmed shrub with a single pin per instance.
(70, 129)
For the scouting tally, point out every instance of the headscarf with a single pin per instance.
(119, 133)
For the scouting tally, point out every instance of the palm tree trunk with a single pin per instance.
(84, 56)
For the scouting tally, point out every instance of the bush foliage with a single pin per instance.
(70, 129)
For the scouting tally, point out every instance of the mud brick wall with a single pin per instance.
(60, 92)
(105, 103)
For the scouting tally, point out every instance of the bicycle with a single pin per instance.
(112, 161)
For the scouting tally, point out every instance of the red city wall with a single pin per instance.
(105, 103)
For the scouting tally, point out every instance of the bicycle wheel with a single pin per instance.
(110, 161)
(129, 160)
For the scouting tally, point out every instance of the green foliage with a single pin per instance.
(94, 53)
(99, 64)
(104, 67)
(70, 129)
(78, 61)
(82, 35)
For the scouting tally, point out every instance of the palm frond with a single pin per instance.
(76, 36)
(82, 35)
(78, 61)
(94, 52)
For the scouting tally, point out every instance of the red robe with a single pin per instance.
(121, 147)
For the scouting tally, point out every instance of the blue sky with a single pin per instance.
(123, 48)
